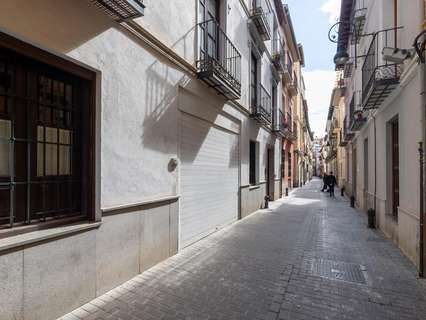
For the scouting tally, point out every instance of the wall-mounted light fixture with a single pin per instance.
(342, 57)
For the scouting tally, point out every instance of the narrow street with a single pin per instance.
(309, 257)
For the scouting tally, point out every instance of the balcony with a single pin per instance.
(282, 125)
(348, 70)
(121, 10)
(292, 85)
(288, 69)
(346, 134)
(279, 123)
(379, 77)
(260, 19)
(262, 109)
(357, 116)
(219, 64)
(358, 17)
(278, 55)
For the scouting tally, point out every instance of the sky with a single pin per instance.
(311, 20)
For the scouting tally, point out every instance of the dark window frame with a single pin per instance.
(253, 161)
(48, 61)
(394, 144)
(254, 80)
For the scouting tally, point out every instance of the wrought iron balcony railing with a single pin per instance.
(288, 68)
(357, 116)
(121, 10)
(379, 77)
(260, 16)
(262, 110)
(348, 70)
(358, 17)
(347, 134)
(278, 55)
(283, 125)
(219, 62)
(279, 122)
(292, 85)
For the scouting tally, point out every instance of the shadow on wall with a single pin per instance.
(62, 25)
(53, 23)
(163, 97)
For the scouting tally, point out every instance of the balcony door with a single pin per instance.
(209, 13)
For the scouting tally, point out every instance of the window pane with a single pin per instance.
(51, 135)
(47, 115)
(3, 77)
(68, 96)
(40, 159)
(40, 133)
(64, 136)
(51, 159)
(64, 160)
(2, 104)
(5, 132)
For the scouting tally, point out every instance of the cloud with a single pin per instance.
(332, 8)
(319, 86)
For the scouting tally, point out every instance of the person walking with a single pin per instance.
(331, 182)
(324, 180)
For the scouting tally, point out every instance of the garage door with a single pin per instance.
(209, 178)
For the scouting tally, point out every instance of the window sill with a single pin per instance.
(45, 234)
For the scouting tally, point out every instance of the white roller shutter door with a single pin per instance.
(209, 178)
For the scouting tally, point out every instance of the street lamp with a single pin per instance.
(341, 58)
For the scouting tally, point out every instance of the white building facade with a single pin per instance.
(385, 116)
(128, 133)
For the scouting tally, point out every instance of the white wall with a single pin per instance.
(405, 104)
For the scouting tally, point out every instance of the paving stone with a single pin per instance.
(308, 257)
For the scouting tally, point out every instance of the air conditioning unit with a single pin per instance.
(396, 55)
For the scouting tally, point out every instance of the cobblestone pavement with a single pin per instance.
(310, 257)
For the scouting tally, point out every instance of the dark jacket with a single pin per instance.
(331, 180)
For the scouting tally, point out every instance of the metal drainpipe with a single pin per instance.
(422, 195)
(375, 166)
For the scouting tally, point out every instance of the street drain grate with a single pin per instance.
(335, 270)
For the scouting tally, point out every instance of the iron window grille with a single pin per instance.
(41, 141)
(219, 62)
(262, 109)
(379, 77)
(121, 10)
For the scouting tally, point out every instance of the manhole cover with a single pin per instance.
(335, 270)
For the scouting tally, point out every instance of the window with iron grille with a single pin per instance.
(43, 118)
(253, 162)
